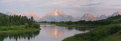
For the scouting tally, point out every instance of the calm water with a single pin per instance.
(47, 33)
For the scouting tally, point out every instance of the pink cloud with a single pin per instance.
(105, 7)
(31, 14)
(28, 14)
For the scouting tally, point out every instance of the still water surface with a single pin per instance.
(47, 33)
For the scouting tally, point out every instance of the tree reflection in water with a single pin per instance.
(19, 35)
(81, 28)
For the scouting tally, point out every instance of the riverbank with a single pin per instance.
(110, 32)
(75, 25)
(13, 29)
(18, 34)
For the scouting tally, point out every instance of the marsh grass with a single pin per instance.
(102, 33)
(21, 28)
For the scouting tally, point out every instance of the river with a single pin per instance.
(47, 33)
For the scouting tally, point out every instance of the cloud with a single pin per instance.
(42, 3)
(41, 7)
(92, 4)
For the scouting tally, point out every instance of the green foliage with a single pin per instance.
(14, 22)
(26, 34)
(6, 20)
(107, 30)
(26, 25)
(35, 25)
(12, 26)
(110, 20)
(96, 34)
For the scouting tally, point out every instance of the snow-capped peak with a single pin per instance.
(56, 15)
(88, 17)
(116, 13)
(56, 12)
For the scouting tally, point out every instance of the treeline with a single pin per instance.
(108, 30)
(83, 22)
(14, 20)
(110, 20)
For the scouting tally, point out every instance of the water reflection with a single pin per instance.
(48, 33)
(19, 35)
(57, 31)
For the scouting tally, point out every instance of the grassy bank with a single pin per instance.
(21, 28)
(18, 34)
(102, 33)
(73, 25)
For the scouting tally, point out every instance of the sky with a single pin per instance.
(71, 7)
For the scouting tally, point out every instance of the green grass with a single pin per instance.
(20, 31)
(26, 34)
(73, 25)
(21, 28)
(102, 33)
(113, 37)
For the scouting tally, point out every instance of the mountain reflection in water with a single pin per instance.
(56, 32)
(47, 33)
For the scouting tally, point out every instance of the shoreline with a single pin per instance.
(98, 34)
(15, 29)
(74, 26)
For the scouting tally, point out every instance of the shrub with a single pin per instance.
(36, 25)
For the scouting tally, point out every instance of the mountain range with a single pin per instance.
(88, 17)
(58, 15)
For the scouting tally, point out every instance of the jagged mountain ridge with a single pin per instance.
(57, 15)
(88, 17)
(107, 16)
(116, 13)
(102, 17)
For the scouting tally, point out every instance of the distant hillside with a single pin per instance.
(90, 17)
(3, 19)
(114, 19)
(1, 14)
(105, 16)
